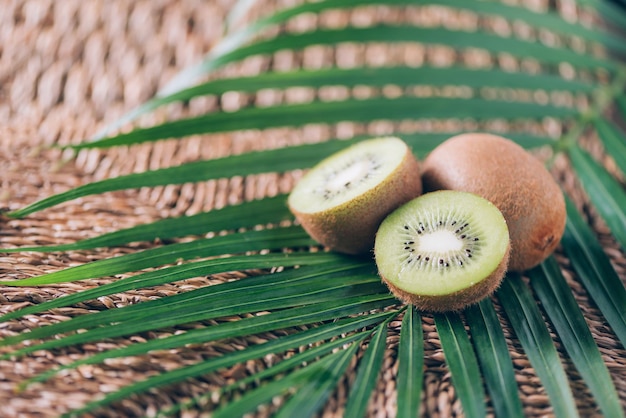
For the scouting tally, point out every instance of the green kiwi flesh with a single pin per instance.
(443, 251)
(342, 200)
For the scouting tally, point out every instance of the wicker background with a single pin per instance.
(66, 69)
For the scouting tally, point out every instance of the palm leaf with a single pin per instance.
(410, 364)
(306, 337)
(367, 374)
(350, 77)
(322, 379)
(595, 271)
(534, 336)
(223, 361)
(614, 142)
(287, 364)
(205, 303)
(332, 364)
(562, 310)
(339, 299)
(493, 355)
(222, 54)
(621, 102)
(605, 192)
(300, 315)
(284, 319)
(271, 210)
(608, 11)
(270, 239)
(175, 273)
(463, 364)
(281, 160)
(378, 108)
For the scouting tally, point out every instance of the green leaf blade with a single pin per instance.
(284, 343)
(270, 210)
(493, 355)
(286, 318)
(337, 328)
(614, 142)
(269, 239)
(367, 374)
(611, 12)
(223, 53)
(379, 77)
(265, 292)
(182, 374)
(322, 379)
(411, 364)
(453, 38)
(545, 19)
(606, 194)
(563, 311)
(621, 104)
(293, 115)
(595, 270)
(533, 334)
(174, 273)
(462, 363)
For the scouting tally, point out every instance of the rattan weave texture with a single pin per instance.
(68, 68)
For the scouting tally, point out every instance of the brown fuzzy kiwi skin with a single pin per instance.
(351, 228)
(459, 300)
(514, 180)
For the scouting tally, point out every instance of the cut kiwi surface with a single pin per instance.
(443, 250)
(342, 200)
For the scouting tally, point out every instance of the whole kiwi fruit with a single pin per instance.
(511, 178)
(342, 200)
(443, 251)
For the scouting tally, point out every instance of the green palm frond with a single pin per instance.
(560, 305)
(604, 191)
(529, 326)
(494, 358)
(613, 140)
(411, 356)
(462, 362)
(333, 313)
(595, 271)
(368, 371)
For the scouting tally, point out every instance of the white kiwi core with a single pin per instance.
(440, 242)
(347, 174)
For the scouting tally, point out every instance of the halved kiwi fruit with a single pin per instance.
(443, 250)
(342, 200)
(514, 180)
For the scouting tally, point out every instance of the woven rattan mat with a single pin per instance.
(66, 69)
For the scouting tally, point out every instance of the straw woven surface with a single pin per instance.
(66, 69)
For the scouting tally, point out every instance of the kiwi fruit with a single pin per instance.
(514, 180)
(342, 200)
(443, 251)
